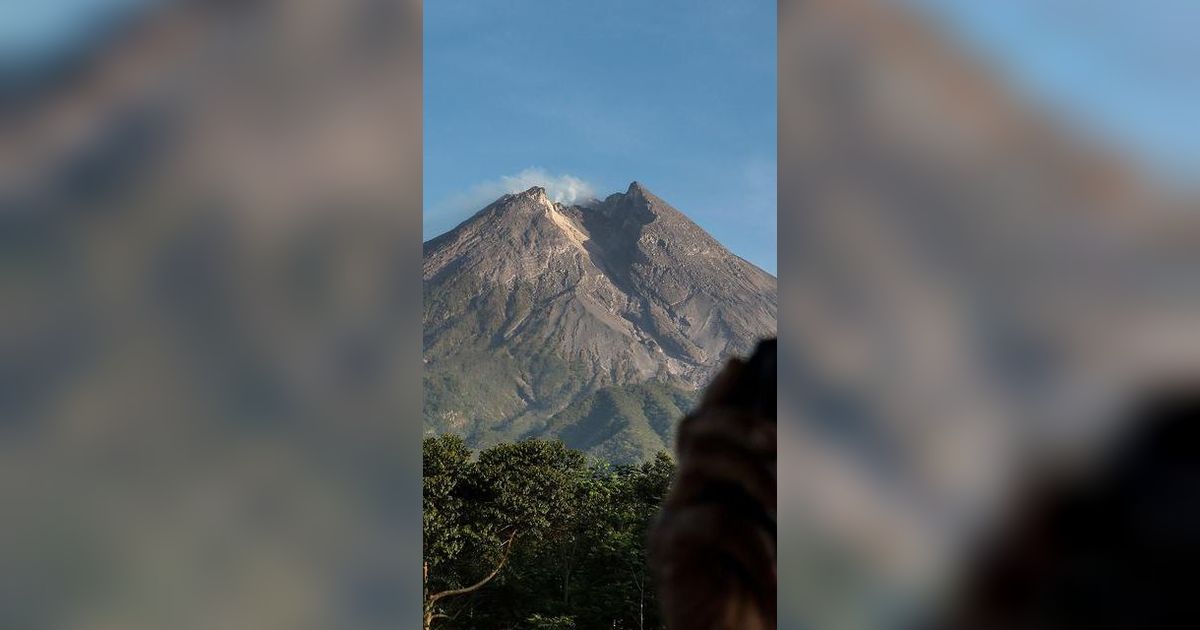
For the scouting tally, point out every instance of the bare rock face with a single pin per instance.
(532, 308)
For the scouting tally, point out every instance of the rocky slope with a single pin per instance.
(532, 308)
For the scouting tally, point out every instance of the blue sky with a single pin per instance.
(588, 96)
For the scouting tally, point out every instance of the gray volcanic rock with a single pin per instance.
(533, 307)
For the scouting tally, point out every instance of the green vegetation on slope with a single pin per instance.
(471, 394)
(624, 423)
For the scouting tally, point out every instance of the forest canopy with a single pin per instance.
(532, 534)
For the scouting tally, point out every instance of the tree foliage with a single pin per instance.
(532, 534)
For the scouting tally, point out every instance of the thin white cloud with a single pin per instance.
(563, 188)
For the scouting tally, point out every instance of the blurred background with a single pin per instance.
(988, 246)
(209, 266)
(209, 339)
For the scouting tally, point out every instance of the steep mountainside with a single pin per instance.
(532, 308)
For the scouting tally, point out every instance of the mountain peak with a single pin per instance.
(636, 195)
(533, 192)
(532, 197)
(639, 193)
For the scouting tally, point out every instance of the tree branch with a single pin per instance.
(478, 585)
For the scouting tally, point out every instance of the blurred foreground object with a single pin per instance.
(713, 548)
(1117, 549)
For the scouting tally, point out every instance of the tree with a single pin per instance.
(477, 512)
(445, 467)
(432, 598)
(446, 463)
(532, 535)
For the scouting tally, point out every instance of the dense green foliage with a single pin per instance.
(567, 533)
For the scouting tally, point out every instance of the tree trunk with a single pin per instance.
(639, 579)
(431, 600)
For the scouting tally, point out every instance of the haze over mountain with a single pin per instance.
(594, 323)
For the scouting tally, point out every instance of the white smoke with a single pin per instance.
(566, 189)
(562, 188)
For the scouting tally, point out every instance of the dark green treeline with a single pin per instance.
(533, 534)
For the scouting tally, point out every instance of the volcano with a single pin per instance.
(593, 323)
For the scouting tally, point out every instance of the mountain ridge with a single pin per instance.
(557, 303)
